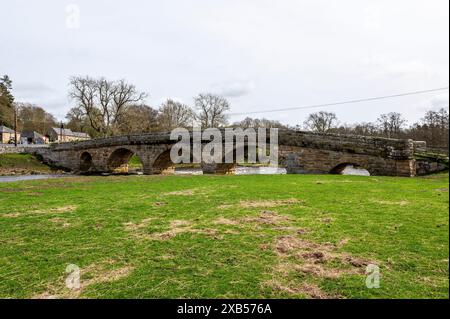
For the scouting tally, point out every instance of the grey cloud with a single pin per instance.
(31, 89)
(234, 88)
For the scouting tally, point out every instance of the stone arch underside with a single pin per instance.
(338, 169)
(86, 162)
(163, 164)
(118, 159)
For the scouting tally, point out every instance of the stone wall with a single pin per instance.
(425, 167)
(11, 149)
(301, 160)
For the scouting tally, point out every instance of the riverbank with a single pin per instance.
(23, 164)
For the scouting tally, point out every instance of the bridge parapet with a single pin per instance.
(356, 144)
(376, 146)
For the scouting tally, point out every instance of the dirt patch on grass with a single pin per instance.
(183, 226)
(61, 222)
(11, 215)
(292, 230)
(90, 275)
(310, 253)
(387, 202)
(101, 275)
(188, 192)
(263, 203)
(302, 257)
(225, 221)
(306, 289)
(326, 220)
(267, 217)
(130, 226)
(176, 227)
(57, 210)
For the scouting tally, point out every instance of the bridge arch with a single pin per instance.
(339, 169)
(118, 160)
(85, 161)
(163, 164)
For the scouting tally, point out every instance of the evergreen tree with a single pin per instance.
(6, 101)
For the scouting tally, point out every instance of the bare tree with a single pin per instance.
(391, 124)
(175, 114)
(433, 128)
(138, 119)
(34, 118)
(103, 101)
(365, 128)
(255, 123)
(212, 110)
(321, 122)
(78, 121)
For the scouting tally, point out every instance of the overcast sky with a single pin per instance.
(259, 54)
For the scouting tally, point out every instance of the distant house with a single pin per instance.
(33, 137)
(60, 135)
(7, 135)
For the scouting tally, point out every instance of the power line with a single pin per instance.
(341, 103)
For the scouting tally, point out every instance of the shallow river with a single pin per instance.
(18, 178)
(241, 170)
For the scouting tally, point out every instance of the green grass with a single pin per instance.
(135, 162)
(133, 237)
(21, 163)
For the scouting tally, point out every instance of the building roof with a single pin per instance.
(69, 132)
(4, 129)
(31, 134)
(80, 134)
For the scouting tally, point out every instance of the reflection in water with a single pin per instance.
(240, 170)
(261, 170)
(188, 171)
(265, 170)
(351, 170)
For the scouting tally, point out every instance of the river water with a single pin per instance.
(240, 170)
(17, 178)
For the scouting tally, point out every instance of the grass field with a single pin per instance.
(283, 236)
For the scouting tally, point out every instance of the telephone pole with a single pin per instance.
(61, 132)
(15, 125)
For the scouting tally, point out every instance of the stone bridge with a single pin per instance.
(299, 152)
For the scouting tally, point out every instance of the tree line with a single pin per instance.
(433, 127)
(103, 107)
